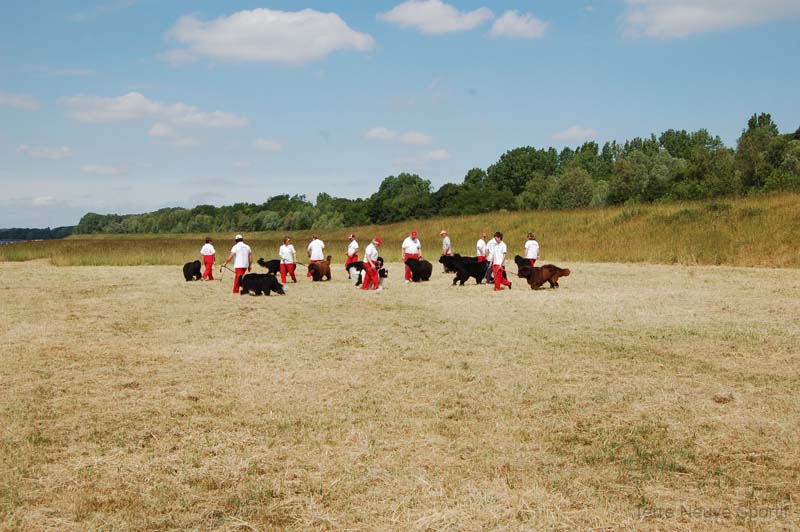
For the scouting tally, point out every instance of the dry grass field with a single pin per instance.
(635, 397)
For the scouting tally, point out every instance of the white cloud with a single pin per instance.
(387, 135)
(420, 160)
(43, 201)
(44, 152)
(267, 145)
(134, 106)
(265, 35)
(576, 134)
(669, 19)
(518, 26)
(169, 134)
(101, 169)
(434, 17)
(24, 102)
(381, 133)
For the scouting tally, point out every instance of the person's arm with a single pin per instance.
(250, 261)
(230, 257)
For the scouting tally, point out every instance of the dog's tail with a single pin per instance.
(328, 259)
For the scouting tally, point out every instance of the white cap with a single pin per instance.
(238, 237)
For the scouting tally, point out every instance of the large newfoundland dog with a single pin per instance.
(191, 271)
(464, 268)
(420, 269)
(321, 269)
(538, 275)
(259, 283)
(358, 270)
(273, 266)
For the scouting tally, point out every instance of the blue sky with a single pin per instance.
(122, 106)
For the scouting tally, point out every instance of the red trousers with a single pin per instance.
(310, 262)
(497, 270)
(287, 267)
(370, 277)
(239, 273)
(481, 259)
(408, 270)
(208, 260)
(350, 260)
(533, 261)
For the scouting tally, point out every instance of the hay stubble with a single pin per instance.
(133, 400)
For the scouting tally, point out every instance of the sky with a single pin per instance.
(126, 106)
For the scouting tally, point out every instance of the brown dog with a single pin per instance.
(549, 273)
(321, 269)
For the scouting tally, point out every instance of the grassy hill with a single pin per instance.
(754, 231)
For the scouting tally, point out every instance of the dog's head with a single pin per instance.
(520, 261)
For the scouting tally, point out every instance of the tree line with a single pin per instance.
(20, 233)
(676, 165)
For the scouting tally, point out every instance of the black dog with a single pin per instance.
(464, 268)
(192, 270)
(259, 283)
(273, 266)
(383, 273)
(420, 269)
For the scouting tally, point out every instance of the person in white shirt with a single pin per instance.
(243, 262)
(315, 252)
(447, 249)
(371, 265)
(489, 250)
(288, 256)
(481, 249)
(532, 249)
(209, 254)
(499, 262)
(412, 249)
(352, 253)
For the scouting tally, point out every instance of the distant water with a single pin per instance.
(10, 241)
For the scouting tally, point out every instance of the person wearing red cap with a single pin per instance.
(412, 249)
(352, 253)
(371, 265)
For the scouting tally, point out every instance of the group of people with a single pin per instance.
(494, 251)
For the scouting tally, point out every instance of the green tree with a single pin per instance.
(400, 198)
(516, 167)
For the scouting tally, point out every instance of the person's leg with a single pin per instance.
(367, 277)
(533, 261)
(283, 273)
(291, 272)
(498, 276)
(239, 273)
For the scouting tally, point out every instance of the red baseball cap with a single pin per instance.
(378, 241)
(413, 233)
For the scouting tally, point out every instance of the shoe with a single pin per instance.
(407, 281)
(379, 289)
(509, 286)
(496, 289)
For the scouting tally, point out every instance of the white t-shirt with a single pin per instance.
(352, 249)
(412, 246)
(446, 249)
(480, 248)
(242, 255)
(315, 249)
(371, 254)
(531, 249)
(499, 253)
(208, 249)
(490, 248)
(287, 253)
